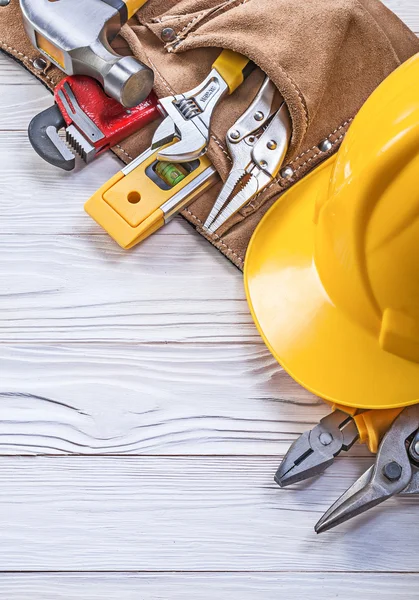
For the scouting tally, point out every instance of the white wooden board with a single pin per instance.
(155, 399)
(190, 514)
(208, 586)
(142, 419)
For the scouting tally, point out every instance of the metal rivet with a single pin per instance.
(326, 439)
(417, 448)
(272, 145)
(40, 63)
(263, 164)
(287, 173)
(235, 135)
(259, 116)
(392, 471)
(325, 146)
(4, 2)
(168, 34)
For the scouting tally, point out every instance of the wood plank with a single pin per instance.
(11, 73)
(88, 289)
(208, 586)
(20, 103)
(37, 197)
(161, 399)
(190, 514)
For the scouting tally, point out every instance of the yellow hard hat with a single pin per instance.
(332, 271)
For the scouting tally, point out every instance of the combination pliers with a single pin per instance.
(396, 468)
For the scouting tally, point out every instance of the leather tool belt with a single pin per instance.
(324, 57)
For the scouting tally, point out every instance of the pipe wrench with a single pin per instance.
(258, 143)
(93, 122)
(173, 171)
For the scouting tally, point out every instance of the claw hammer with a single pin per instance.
(76, 35)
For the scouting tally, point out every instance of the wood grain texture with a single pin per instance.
(189, 514)
(161, 399)
(208, 586)
(88, 289)
(19, 103)
(38, 198)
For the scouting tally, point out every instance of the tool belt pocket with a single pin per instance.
(324, 58)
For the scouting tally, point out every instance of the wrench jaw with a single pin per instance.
(180, 151)
(187, 121)
(80, 144)
(43, 136)
(166, 133)
(93, 122)
(186, 141)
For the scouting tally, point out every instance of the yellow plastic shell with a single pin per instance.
(332, 272)
(128, 207)
(230, 65)
(133, 6)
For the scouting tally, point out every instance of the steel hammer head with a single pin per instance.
(76, 34)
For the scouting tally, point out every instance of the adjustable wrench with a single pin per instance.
(153, 188)
(187, 117)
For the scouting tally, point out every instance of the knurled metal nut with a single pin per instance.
(40, 63)
(168, 34)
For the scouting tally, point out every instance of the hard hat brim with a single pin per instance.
(314, 341)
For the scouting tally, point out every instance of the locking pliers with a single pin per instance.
(258, 143)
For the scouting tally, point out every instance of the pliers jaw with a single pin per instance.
(258, 143)
(396, 470)
(315, 450)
